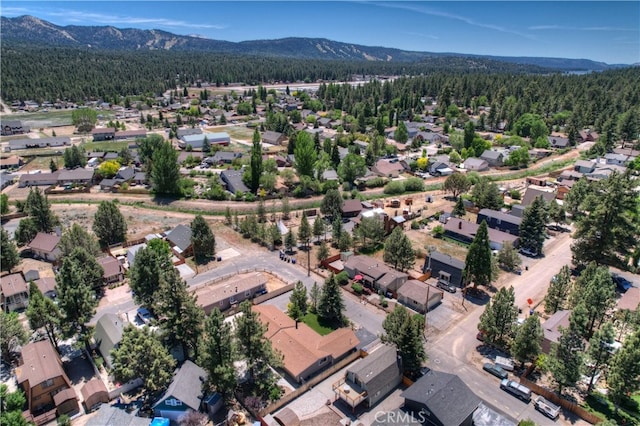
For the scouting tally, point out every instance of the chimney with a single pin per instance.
(460, 225)
(296, 324)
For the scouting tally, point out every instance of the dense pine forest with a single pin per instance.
(595, 99)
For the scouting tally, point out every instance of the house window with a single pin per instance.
(173, 402)
(232, 300)
(247, 293)
(323, 360)
(47, 383)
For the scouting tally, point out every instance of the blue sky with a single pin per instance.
(601, 31)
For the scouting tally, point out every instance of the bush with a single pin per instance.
(438, 231)
(374, 183)
(415, 224)
(394, 188)
(515, 194)
(414, 184)
(342, 278)
(357, 288)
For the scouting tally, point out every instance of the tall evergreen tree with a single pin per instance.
(533, 226)
(458, 209)
(256, 162)
(217, 355)
(182, 318)
(42, 312)
(599, 352)
(401, 135)
(558, 291)
(405, 332)
(596, 290)
(109, 223)
(78, 276)
(331, 204)
(141, 355)
(13, 334)
(609, 230)
(528, 341)
(398, 250)
(38, 208)
(477, 267)
(165, 170)
(499, 316)
(202, 238)
(318, 227)
(624, 370)
(331, 306)
(256, 350)
(77, 236)
(486, 195)
(304, 232)
(565, 360)
(9, 257)
(297, 307)
(150, 263)
(305, 155)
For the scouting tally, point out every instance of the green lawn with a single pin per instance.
(601, 406)
(312, 321)
(105, 146)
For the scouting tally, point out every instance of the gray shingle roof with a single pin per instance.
(378, 369)
(186, 385)
(445, 395)
(180, 236)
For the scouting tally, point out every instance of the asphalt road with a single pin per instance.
(457, 349)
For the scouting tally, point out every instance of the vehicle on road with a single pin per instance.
(622, 283)
(496, 370)
(504, 363)
(446, 286)
(547, 407)
(516, 389)
(528, 252)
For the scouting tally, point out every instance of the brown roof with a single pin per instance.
(386, 168)
(12, 160)
(103, 130)
(111, 266)
(470, 229)
(64, 395)
(301, 346)
(551, 327)
(351, 206)
(44, 242)
(415, 290)
(532, 193)
(213, 294)
(13, 284)
(40, 362)
(46, 284)
(630, 300)
(94, 391)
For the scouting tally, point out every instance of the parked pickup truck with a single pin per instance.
(547, 407)
(516, 389)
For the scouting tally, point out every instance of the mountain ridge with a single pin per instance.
(30, 29)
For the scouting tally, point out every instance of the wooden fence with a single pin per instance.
(309, 383)
(564, 403)
(327, 263)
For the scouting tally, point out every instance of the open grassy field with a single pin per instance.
(104, 146)
(240, 131)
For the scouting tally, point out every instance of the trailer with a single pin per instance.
(547, 407)
(505, 363)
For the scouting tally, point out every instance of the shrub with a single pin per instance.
(438, 231)
(342, 278)
(375, 183)
(415, 224)
(414, 184)
(357, 288)
(515, 194)
(394, 188)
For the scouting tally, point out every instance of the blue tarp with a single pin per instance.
(159, 421)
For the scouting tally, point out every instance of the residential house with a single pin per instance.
(27, 143)
(330, 175)
(517, 210)
(38, 179)
(324, 122)
(304, 351)
(233, 181)
(558, 142)
(131, 253)
(11, 162)
(616, 159)
(47, 286)
(570, 175)
(232, 293)
(584, 166)
(107, 336)
(183, 394)
(180, 240)
(351, 208)
(370, 379)
(493, 158)
(45, 246)
(587, 136)
(14, 292)
(444, 267)
(13, 127)
(113, 271)
(387, 168)
(103, 134)
(6, 180)
(551, 329)
(532, 192)
(442, 398)
(630, 300)
(45, 384)
(475, 164)
(273, 138)
(419, 295)
(222, 157)
(130, 134)
(500, 221)
(603, 171)
(77, 176)
(439, 168)
(109, 415)
(465, 231)
(374, 273)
